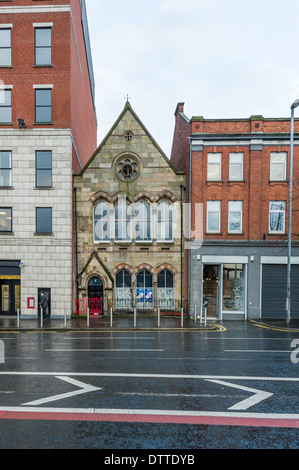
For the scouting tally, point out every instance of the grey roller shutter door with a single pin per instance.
(274, 291)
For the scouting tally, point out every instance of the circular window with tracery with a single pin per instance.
(127, 168)
(128, 136)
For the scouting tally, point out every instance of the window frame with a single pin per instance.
(273, 164)
(274, 211)
(101, 221)
(37, 170)
(6, 169)
(48, 106)
(125, 219)
(4, 105)
(233, 155)
(7, 47)
(165, 222)
(144, 221)
(36, 47)
(210, 156)
(37, 209)
(209, 211)
(231, 211)
(8, 209)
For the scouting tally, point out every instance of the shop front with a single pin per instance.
(224, 289)
(10, 288)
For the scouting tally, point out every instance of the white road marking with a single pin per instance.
(257, 350)
(162, 376)
(258, 396)
(84, 388)
(104, 350)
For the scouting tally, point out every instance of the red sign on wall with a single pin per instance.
(30, 302)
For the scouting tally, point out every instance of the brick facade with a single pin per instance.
(256, 140)
(40, 260)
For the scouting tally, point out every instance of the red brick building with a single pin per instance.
(238, 171)
(48, 130)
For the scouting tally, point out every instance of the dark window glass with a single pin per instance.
(43, 105)
(43, 220)
(43, 49)
(5, 169)
(43, 169)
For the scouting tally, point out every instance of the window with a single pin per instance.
(165, 221)
(5, 106)
(43, 46)
(43, 105)
(214, 166)
(143, 221)
(233, 298)
(278, 166)
(101, 220)
(122, 221)
(123, 289)
(144, 293)
(277, 217)
(235, 209)
(5, 219)
(5, 47)
(44, 220)
(236, 162)
(165, 289)
(5, 169)
(213, 216)
(43, 163)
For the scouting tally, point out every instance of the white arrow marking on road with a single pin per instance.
(258, 396)
(84, 388)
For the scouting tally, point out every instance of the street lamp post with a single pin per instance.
(288, 303)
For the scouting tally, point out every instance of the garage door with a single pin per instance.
(274, 291)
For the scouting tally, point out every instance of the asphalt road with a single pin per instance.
(150, 390)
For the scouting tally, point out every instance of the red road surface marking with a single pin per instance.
(212, 419)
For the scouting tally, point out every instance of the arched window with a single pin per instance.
(144, 293)
(123, 289)
(165, 221)
(122, 221)
(101, 221)
(143, 221)
(165, 289)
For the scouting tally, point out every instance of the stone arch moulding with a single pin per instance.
(100, 195)
(121, 266)
(167, 266)
(166, 195)
(144, 195)
(147, 267)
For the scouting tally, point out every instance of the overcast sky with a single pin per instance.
(223, 58)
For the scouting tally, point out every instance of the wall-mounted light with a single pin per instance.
(22, 124)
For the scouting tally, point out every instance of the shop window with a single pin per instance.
(165, 289)
(144, 293)
(233, 299)
(123, 289)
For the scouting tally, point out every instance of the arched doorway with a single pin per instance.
(95, 296)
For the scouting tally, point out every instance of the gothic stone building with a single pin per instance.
(128, 204)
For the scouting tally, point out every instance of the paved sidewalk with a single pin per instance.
(122, 322)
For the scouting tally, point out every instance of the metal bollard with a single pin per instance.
(205, 316)
(65, 319)
(18, 318)
(111, 317)
(182, 317)
(195, 314)
(41, 318)
(135, 317)
(88, 318)
(159, 317)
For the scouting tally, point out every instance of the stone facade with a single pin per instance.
(45, 260)
(128, 164)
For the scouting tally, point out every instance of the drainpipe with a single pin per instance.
(76, 249)
(189, 224)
